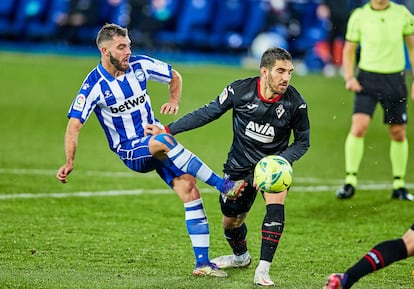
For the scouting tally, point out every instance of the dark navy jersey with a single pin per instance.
(260, 127)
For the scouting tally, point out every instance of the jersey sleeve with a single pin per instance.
(353, 33)
(409, 23)
(85, 102)
(301, 133)
(154, 69)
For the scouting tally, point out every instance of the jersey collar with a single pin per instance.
(106, 74)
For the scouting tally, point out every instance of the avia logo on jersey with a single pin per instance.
(264, 133)
(128, 104)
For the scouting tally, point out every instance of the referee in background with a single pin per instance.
(379, 28)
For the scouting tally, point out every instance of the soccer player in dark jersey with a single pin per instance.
(379, 28)
(116, 91)
(380, 256)
(266, 111)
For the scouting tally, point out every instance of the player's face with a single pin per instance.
(379, 2)
(277, 79)
(119, 52)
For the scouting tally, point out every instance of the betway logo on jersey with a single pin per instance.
(128, 104)
(264, 133)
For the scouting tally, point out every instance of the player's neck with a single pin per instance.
(265, 93)
(112, 70)
(379, 5)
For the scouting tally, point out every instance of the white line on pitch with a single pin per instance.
(295, 189)
(131, 174)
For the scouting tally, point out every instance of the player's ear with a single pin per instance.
(104, 51)
(263, 71)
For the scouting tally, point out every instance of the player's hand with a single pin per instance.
(353, 84)
(152, 129)
(63, 173)
(169, 108)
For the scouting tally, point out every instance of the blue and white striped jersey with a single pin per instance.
(122, 105)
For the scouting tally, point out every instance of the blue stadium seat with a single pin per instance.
(227, 21)
(28, 11)
(7, 15)
(254, 22)
(192, 24)
(109, 13)
(46, 27)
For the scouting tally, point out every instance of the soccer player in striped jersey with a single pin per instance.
(116, 91)
(266, 111)
(380, 256)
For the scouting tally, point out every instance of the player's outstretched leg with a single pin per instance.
(199, 232)
(185, 161)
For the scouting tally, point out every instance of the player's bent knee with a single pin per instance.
(233, 222)
(166, 139)
(408, 239)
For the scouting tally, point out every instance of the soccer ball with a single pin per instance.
(273, 174)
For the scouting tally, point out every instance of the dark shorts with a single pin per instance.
(136, 155)
(412, 227)
(389, 90)
(243, 204)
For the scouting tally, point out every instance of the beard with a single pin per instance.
(116, 63)
(273, 87)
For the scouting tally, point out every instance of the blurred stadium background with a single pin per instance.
(186, 29)
(101, 230)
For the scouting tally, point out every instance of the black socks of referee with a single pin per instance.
(382, 255)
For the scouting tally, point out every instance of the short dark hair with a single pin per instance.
(272, 54)
(108, 31)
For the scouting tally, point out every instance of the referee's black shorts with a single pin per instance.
(389, 90)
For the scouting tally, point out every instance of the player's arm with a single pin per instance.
(198, 117)
(409, 40)
(71, 142)
(175, 89)
(301, 133)
(348, 64)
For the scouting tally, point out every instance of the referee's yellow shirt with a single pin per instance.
(380, 34)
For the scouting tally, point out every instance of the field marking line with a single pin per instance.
(330, 185)
(295, 189)
(130, 174)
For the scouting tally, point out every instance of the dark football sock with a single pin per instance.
(237, 239)
(382, 255)
(272, 229)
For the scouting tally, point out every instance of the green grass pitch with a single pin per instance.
(110, 228)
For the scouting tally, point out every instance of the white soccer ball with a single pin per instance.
(273, 174)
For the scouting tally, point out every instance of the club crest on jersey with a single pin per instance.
(223, 96)
(79, 102)
(280, 111)
(140, 75)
